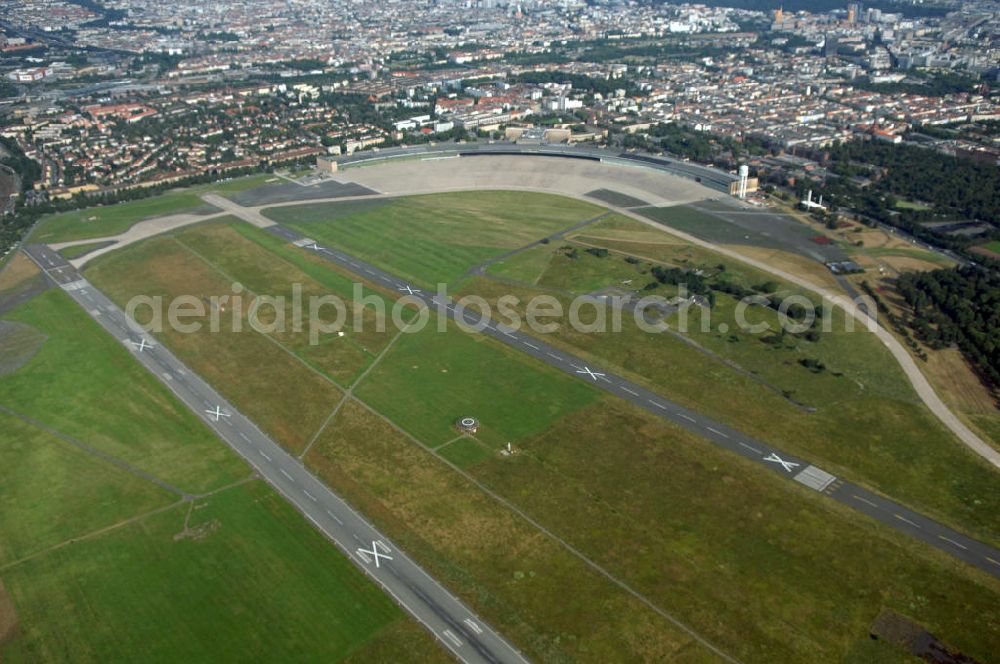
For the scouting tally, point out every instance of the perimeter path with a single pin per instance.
(794, 468)
(462, 632)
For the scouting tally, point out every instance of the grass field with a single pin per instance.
(567, 267)
(750, 562)
(51, 491)
(247, 255)
(111, 220)
(903, 204)
(78, 250)
(245, 579)
(429, 380)
(436, 238)
(100, 564)
(103, 221)
(868, 424)
(757, 565)
(532, 589)
(281, 392)
(85, 384)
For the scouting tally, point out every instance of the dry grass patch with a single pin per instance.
(277, 390)
(18, 270)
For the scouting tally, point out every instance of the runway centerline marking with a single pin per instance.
(285, 473)
(951, 541)
(905, 520)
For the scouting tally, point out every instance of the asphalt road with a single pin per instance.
(461, 631)
(792, 467)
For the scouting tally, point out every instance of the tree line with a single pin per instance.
(958, 307)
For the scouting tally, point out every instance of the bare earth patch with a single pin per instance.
(8, 618)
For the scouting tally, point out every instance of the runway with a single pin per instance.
(792, 467)
(452, 623)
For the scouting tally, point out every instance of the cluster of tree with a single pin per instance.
(655, 51)
(935, 85)
(682, 141)
(28, 169)
(953, 186)
(604, 87)
(7, 88)
(961, 307)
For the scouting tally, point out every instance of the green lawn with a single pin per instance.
(78, 250)
(568, 266)
(85, 384)
(903, 204)
(95, 562)
(250, 580)
(429, 380)
(110, 220)
(107, 220)
(51, 491)
(436, 238)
